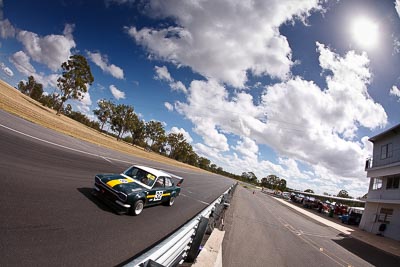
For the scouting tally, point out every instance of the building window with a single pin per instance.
(377, 184)
(385, 215)
(393, 182)
(386, 151)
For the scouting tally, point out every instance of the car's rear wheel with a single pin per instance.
(171, 201)
(137, 208)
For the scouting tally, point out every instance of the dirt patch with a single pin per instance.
(13, 101)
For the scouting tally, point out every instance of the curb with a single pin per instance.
(343, 229)
(211, 254)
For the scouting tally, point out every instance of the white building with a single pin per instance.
(383, 203)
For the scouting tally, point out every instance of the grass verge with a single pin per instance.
(14, 102)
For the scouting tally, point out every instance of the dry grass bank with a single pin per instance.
(13, 101)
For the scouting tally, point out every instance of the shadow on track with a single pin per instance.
(369, 253)
(87, 192)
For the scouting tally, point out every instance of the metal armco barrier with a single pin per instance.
(174, 249)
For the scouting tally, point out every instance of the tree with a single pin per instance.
(183, 152)
(343, 193)
(121, 118)
(136, 127)
(174, 140)
(82, 118)
(213, 167)
(104, 111)
(281, 185)
(68, 110)
(31, 88)
(154, 131)
(271, 181)
(180, 149)
(159, 145)
(249, 177)
(192, 158)
(75, 77)
(309, 191)
(204, 163)
(51, 101)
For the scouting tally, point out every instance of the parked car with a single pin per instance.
(353, 216)
(298, 198)
(310, 202)
(340, 209)
(136, 188)
(286, 195)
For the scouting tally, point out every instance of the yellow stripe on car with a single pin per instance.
(113, 183)
(164, 195)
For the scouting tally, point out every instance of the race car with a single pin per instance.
(136, 188)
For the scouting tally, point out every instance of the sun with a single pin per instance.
(365, 32)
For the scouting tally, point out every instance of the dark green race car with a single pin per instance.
(136, 188)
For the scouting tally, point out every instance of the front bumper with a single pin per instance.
(110, 199)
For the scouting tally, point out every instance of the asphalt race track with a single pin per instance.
(48, 216)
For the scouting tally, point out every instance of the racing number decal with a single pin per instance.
(158, 195)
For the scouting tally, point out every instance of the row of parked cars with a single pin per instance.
(349, 215)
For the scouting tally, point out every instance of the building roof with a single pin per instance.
(393, 130)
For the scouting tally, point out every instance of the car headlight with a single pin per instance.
(122, 196)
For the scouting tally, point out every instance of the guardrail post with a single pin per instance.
(198, 237)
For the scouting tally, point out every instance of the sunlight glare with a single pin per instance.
(365, 32)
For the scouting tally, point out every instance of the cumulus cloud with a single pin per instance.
(323, 123)
(178, 86)
(395, 91)
(397, 6)
(117, 93)
(51, 50)
(169, 106)
(163, 74)
(247, 147)
(22, 63)
(204, 97)
(102, 62)
(299, 120)
(211, 38)
(6, 70)
(6, 29)
(185, 134)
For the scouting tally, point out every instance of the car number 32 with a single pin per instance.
(158, 195)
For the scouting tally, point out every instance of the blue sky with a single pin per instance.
(291, 88)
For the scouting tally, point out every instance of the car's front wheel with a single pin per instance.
(137, 207)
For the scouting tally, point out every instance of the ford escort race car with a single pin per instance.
(136, 188)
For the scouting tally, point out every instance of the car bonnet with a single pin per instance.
(121, 183)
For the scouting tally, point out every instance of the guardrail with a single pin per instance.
(175, 248)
